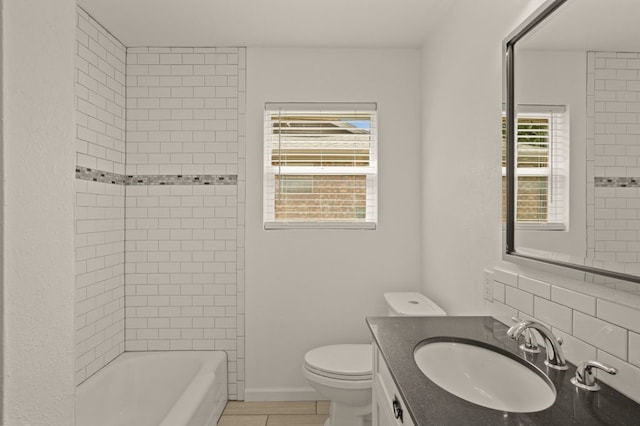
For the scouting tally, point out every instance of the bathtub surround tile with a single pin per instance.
(613, 176)
(99, 197)
(86, 173)
(185, 201)
(182, 114)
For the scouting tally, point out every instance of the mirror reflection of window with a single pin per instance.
(542, 193)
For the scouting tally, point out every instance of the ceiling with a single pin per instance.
(269, 23)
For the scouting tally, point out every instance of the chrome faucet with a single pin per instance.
(555, 357)
(585, 379)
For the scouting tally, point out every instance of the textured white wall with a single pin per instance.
(38, 38)
(308, 288)
(462, 96)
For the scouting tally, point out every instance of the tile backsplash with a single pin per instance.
(592, 328)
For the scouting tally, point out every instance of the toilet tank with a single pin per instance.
(411, 304)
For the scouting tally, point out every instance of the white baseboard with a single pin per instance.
(282, 394)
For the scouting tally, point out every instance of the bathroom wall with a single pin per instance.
(307, 288)
(595, 325)
(614, 158)
(99, 195)
(185, 202)
(38, 150)
(596, 322)
(559, 78)
(461, 104)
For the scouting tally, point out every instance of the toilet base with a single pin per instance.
(346, 415)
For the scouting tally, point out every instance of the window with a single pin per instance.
(320, 165)
(542, 167)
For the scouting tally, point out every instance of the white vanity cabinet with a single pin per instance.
(388, 407)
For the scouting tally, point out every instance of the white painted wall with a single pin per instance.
(38, 47)
(559, 78)
(308, 288)
(462, 96)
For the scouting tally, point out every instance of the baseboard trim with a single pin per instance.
(282, 394)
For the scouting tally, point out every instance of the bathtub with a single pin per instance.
(176, 388)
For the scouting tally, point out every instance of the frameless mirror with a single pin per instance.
(572, 151)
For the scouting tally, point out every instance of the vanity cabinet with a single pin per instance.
(388, 407)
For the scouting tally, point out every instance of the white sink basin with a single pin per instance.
(486, 377)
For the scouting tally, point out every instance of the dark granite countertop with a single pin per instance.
(428, 404)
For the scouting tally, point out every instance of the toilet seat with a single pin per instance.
(350, 362)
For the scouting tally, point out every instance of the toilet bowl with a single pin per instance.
(343, 373)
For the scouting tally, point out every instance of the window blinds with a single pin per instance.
(542, 165)
(320, 165)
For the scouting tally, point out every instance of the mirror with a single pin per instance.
(572, 127)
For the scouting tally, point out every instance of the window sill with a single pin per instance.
(538, 227)
(268, 226)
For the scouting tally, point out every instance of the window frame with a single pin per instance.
(558, 141)
(270, 171)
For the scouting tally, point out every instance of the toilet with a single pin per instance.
(343, 373)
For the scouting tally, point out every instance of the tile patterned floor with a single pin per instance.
(294, 413)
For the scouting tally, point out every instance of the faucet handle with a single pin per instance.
(585, 377)
(530, 343)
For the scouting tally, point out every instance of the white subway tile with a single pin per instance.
(623, 316)
(627, 379)
(519, 299)
(601, 334)
(554, 314)
(536, 287)
(505, 277)
(574, 300)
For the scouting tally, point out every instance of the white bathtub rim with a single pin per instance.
(187, 402)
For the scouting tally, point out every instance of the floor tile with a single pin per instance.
(297, 420)
(270, 407)
(322, 407)
(243, 420)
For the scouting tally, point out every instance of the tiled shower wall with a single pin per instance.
(99, 210)
(592, 328)
(184, 251)
(160, 218)
(613, 162)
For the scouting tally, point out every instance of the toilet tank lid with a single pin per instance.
(412, 304)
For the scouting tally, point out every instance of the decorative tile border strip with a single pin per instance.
(617, 182)
(182, 180)
(86, 173)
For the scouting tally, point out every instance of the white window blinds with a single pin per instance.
(320, 165)
(542, 167)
